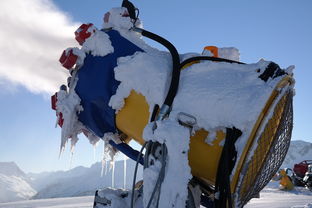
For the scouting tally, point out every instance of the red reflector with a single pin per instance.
(82, 33)
(63, 57)
(53, 101)
(68, 59)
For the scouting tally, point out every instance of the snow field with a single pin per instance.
(74, 202)
(270, 197)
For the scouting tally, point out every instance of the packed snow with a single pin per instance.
(98, 44)
(174, 190)
(272, 196)
(76, 202)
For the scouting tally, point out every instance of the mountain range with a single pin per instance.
(298, 151)
(83, 181)
(14, 183)
(80, 181)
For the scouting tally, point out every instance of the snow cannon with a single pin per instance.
(229, 123)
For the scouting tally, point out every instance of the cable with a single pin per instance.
(160, 177)
(226, 164)
(135, 173)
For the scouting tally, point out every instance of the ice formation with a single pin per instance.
(68, 105)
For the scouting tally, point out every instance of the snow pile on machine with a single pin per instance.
(220, 142)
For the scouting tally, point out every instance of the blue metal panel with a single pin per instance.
(96, 84)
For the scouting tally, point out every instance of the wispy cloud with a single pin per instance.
(33, 34)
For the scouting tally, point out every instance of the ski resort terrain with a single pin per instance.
(270, 197)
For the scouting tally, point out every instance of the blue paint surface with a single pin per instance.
(96, 84)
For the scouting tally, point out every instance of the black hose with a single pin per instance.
(174, 84)
(208, 58)
(131, 9)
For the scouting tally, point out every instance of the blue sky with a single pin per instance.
(279, 30)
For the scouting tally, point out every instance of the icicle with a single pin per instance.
(57, 119)
(62, 148)
(94, 153)
(103, 167)
(125, 172)
(113, 173)
(104, 162)
(71, 160)
(106, 168)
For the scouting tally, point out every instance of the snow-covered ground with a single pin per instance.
(274, 198)
(74, 202)
(270, 197)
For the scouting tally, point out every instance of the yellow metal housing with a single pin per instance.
(204, 158)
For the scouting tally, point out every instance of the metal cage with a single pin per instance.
(271, 147)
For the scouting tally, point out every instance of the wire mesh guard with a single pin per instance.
(272, 146)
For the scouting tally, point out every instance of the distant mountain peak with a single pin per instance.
(14, 184)
(299, 150)
(11, 169)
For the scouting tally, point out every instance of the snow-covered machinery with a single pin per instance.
(308, 178)
(215, 130)
(301, 168)
(302, 174)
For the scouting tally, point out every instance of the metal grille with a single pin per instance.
(270, 153)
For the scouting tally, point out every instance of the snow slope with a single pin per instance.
(14, 184)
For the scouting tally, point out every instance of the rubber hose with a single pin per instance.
(174, 84)
(208, 58)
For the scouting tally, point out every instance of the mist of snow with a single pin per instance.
(33, 34)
